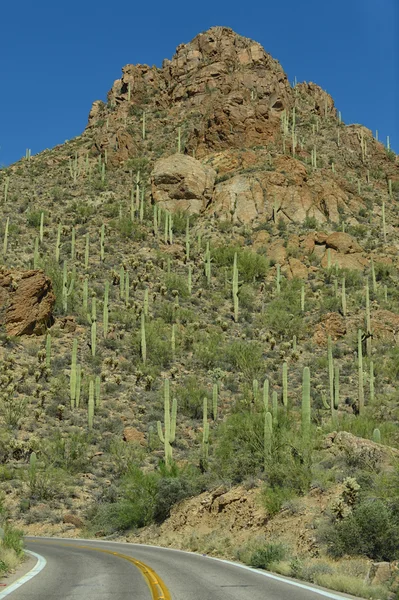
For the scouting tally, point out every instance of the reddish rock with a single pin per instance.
(68, 324)
(131, 434)
(352, 262)
(26, 302)
(332, 324)
(342, 243)
(277, 252)
(260, 239)
(73, 520)
(295, 269)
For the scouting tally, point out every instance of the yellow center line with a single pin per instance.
(157, 587)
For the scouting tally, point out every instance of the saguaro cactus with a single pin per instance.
(106, 310)
(58, 243)
(143, 344)
(305, 414)
(266, 394)
(215, 394)
(5, 239)
(235, 288)
(267, 439)
(368, 320)
(285, 385)
(87, 250)
(360, 371)
(330, 369)
(90, 405)
(167, 436)
(274, 407)
(205, 432)
(72, 381)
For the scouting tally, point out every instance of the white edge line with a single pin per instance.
(39, 566)
(314, 589)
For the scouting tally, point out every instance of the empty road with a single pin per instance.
(96, 570)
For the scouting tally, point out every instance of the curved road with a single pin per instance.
(95, 570)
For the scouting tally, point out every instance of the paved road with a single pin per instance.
(95, 570)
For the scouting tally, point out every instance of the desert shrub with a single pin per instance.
(239, 449)
(264, 557)
(310, 223)
(170, 490)
(371, 530)
(251, 266)
(208, 349)
(283, 315)
(158, 341)
(69, 452)
(133, 508)
(33, 218)
(190, 397)
(274, 498)
(178, 283)
(246, 357)
(13, 539)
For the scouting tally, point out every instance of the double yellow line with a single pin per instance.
(157, 587)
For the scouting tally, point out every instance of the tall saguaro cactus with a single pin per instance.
(205, 433)
(143, 339)
(167, 436)
(305, 414)
(285, 385)
(90, 405)
(368, 320)
(106, 310)
(267, 437)
(235, 288)
(360, 371)
(72, 381)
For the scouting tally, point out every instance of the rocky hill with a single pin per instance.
(214, 236)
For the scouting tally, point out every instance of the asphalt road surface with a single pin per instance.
(95, 570)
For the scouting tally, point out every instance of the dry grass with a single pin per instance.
(352, 585)
(8, 559)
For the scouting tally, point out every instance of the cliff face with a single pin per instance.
(225, 101)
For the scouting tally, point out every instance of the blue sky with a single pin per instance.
(56, 58)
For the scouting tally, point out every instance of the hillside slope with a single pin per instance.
(212, 234)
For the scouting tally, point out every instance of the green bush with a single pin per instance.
(178, 283)
(239, 448)
(190, 397)
(274, 498)
(283, 315)
(33, 218)
(263, 558)
(251, 266)
(13, 539)
(158, 340)
(371, 530)
(209, 349)
(246, 357)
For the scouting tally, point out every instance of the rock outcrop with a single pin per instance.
(26, 302)
(182, 183)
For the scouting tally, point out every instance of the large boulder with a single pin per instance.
(343, 243)
(182, 183)
(26, 302)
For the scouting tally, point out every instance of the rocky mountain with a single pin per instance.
(170, 280)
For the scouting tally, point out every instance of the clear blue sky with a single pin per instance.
(56, 58)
